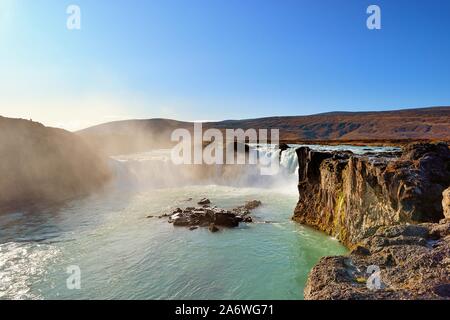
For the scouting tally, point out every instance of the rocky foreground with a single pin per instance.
(391, 210)
(413, 262)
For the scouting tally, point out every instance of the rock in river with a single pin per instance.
(193, 217)
(204, 201)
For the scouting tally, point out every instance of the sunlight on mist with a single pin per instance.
(69, 114)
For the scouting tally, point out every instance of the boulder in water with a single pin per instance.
(204, 201)
(247, 207)
(194, 217)
(250, 205)
(283, 147)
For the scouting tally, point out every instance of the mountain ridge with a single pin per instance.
(366, 127)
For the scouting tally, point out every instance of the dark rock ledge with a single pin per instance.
(391, 210)
(414, 263)
(211, 217)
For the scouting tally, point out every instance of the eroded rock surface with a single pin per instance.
(446, 203)
(389, 209)
(413, 263)
(350, 196)
(212, 217)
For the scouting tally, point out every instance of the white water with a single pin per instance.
(155, 170)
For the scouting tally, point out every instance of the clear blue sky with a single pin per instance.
(219, 59)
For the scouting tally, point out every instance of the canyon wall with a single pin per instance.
(350, 196)
(391, 210)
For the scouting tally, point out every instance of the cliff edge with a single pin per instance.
(391, 210)
(350, 196)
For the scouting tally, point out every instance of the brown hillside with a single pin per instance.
(41, 165)
(391, 127)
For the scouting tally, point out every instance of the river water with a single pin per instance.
(122, 254)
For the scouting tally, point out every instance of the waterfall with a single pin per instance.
(155, 169)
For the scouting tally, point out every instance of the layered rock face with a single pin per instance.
(350, 196)
(392, 210)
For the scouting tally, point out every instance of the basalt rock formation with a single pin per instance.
(350, 196)
(389, 209)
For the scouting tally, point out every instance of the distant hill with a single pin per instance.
(121, 137)
(391, 127)
(41, 165)
(429, 123)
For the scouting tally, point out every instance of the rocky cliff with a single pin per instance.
(397, 262)
(41, 165)
(387, 209)
(350, 196)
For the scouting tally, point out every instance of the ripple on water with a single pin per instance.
(20, 265)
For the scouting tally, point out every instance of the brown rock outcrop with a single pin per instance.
(384, 207)
(410, 260)
(212, 216)
(350, 196)
(446, 203)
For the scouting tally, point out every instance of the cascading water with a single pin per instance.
(156, 170)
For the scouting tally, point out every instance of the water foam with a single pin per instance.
(20, 265)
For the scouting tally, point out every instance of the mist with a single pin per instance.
(43, 166)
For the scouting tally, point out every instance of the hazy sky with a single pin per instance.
(219, 59)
